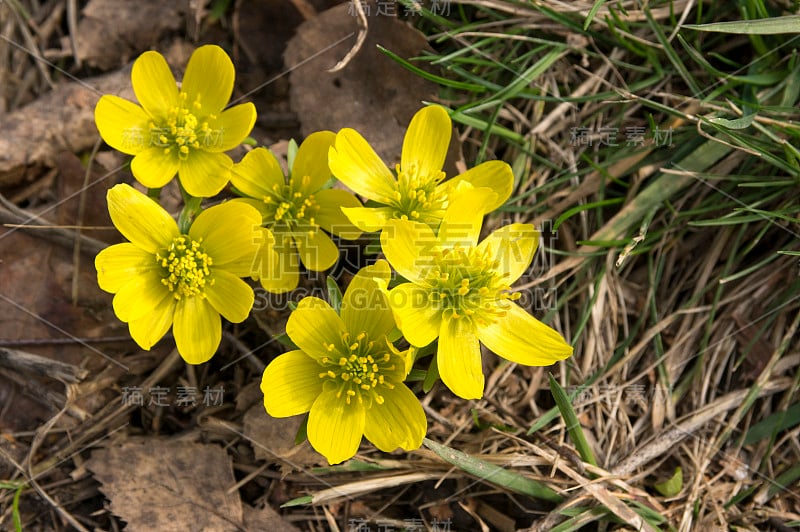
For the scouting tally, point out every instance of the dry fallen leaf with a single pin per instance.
(63, 119)
(372, 94)
(156, 484)
(265, 520)
(111, 32)
(273, 439)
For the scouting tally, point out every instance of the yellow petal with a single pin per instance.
(409, 247)
(426, 140)
(511, 247)
(399, 422)
(197, 329)
(139, 296)
(282, 275)
(123, 125)
(369, 219)
(150, 328)
(317, 250)
(258, 205)
(230, 296)
(330, 216)
(205, 174)
(116, 265)
(521, 338)
(313, 326)
(229, 231)
(496, 175)
(209, 78)
(463, 218)
(355, 163)
(261, 261)
(153, 168)
(310, 169)
(257, 174)
(230, 128)
(154, 85)
(459, 359)
(417, 317)
(335, 428)
(140, 219)
(291, 384)
(364, 305)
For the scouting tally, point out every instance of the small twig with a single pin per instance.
(306, 9)
(11, 214)
(33, 49)
(363, 26)
(76, 250)
(81, 438)
(668, 439)
(72, 25)
(20, 342)
(24, 362)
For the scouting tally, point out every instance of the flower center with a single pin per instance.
(185, 267)
(416, 197)
(359, 367)
(290, 208)
(467, 284)
(183, 131)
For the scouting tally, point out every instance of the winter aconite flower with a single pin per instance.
(176, 130)
(460, 292)
(163, 278)
(295, 209)
(418, 191)
(346, 374)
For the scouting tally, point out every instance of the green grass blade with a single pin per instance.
(472, 87)
(569, 213)
(492, 473)
(671, 486)
(784, 481)
(672, 55)
(573, 425)
(773, 424)
(592, 12)
(334, 294)
(766, 26)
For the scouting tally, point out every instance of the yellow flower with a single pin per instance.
(163, 278)
(295, 209)
(460, 292)
(346, 374)
(181, 131)
(419, 191)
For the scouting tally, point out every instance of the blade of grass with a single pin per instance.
(334, 294)
(772, 424)
(766, 26)
(492, 473)
(472, 87)
(592, 12)
(571, 420)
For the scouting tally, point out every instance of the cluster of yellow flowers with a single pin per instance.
(349, 369)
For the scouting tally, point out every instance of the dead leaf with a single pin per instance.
(265, 520)
(154, 484)
(372, 94)
(273, 439)
(112, 32)
(63, 119)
